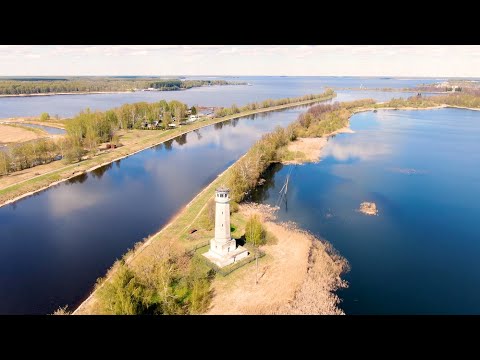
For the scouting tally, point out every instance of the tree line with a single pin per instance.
(87, 130)
(464, 99)
(234, 109)
(72, 85)
(178, 84)
(37, 152)
(319, 120)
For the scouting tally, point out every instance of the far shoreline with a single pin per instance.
(64, 93)
(104, 92)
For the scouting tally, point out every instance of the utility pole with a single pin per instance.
(256, 252)
(256, 266)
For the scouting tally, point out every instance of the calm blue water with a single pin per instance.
(263, 87)
(55, 244)
(421, 254)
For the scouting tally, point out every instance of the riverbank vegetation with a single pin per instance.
(41, 85)
(175, 283)
(468, 100)
(242, 177)
(234, 109)
(81, 152)
(88, 130)
(319, 120)
(32, 153)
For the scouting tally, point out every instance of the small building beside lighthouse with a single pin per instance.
(223, 249)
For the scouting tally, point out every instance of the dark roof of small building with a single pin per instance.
(223, 189)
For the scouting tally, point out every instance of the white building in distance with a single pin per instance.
(223, 249)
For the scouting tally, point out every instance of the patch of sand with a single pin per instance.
(311, 148)
(12, 134)
(368, 208)
(298, 275)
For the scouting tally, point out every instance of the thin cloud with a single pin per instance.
(362, 60)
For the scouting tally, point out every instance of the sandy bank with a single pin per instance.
(368, 208)
(310, 149)
(17, 134)
(298, 275)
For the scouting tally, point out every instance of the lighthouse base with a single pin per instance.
(223, 254)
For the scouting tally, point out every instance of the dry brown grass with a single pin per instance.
(298, 275)
(368, 208)
(17, 134)
(304, 150)
(310, 148)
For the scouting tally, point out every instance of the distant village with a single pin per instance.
(193, 114)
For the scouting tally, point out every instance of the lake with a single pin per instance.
(263, 87)
(420, 168)
(48, 129)
(56, 243)
(420, 255)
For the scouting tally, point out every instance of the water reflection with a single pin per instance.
(79, 179)
(181, 140)
(262, 193)
(347, 150)
(48, 129)
(98, 172)
(168, 144)
(420, 254)
(263, 88)
(57, 243)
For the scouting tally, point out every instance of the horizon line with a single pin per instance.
(224, 75)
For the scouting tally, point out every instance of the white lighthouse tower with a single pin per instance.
(223, 249)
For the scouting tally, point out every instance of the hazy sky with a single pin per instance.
(366, 60)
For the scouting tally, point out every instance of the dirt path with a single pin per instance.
(298, 275)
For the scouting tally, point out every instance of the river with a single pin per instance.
(55, 244)
(421, 168)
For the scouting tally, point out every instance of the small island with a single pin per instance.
(368, 208)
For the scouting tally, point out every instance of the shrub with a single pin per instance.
(62, 310)
(44, 116)
(123, 294)
(255, 234)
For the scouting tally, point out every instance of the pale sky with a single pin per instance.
(308, 60)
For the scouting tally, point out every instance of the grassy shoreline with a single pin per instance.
(36, 183)
(176, 228)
